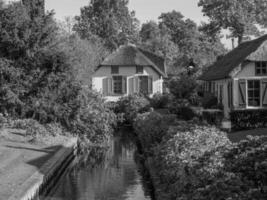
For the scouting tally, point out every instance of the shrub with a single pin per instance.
(94, 121)
(175, 105)
(151, 128)
(244, 174)
(36, 129)
(183, 87)
(209, 101)
(186, 113)
(160, 101)
(131, 105)
(213, 117)
(22, 123)
(181, 108)
(189, 160)
(249, 119)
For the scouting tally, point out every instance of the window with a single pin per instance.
(253, 93)
(261, 68)
(143, 84)
(114, 69)
(139, 69)
(117, 85)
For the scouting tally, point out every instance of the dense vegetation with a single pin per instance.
(190, 160)
(40, 79)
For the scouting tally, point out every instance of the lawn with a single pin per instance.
(241, 135)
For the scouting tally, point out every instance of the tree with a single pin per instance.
(110, 20)
(83, 55)
(149, 31)
(187, 43)
(240, 17)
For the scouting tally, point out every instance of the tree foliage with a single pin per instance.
(240, 17)
(110, 20)
(180, 42)
(40, 75)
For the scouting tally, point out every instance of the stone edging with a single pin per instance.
(39, 179)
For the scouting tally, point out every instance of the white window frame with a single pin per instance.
(256, 79)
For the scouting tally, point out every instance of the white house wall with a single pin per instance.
(129, 71)
(224, 84)
(247, 72)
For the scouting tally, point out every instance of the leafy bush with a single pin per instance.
(248, 119)
(186, 113)
(189, 160)
(181, 108)
(36, 129)
(22, 123)
(152, 127)
(175, 105)
(94, 121)
(131, 105)
(159, 101)
(244, 173)
(209, 101)
(213, 117)
(183, 87)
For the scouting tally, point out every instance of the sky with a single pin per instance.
(146, 10)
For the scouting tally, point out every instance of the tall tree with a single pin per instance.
(110, 20)
(149, 31)
(239, 16)
(180, 42)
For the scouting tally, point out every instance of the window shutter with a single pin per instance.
(131, 85)
(124, 85)
(229, 91)
(110, 86)
(136, 84)
(150, 85)
(264, 92)
(242, 92)
(105, 87)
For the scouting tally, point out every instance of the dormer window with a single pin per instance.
(114, 69)
(261, 68)
(139, 69)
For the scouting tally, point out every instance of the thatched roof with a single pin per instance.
(130, 55)
(254, 50)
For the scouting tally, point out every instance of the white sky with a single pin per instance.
(145, 9)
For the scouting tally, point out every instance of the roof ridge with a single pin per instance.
(139, 48)
(222, 68)
(155, 65)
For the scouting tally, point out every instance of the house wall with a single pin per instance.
(247, 72)
(129, 71)
(222, 95)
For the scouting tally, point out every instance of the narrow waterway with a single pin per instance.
(115, 174)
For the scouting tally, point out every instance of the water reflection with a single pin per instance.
(116, 177)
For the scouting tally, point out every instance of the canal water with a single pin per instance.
(113, 174)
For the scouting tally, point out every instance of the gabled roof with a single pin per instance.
(130, 55)
(254, 50)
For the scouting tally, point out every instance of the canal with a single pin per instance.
(112, 174)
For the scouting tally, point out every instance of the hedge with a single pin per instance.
(248, 119)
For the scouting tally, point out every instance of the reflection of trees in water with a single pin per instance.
(145, 176)
(104, 174)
